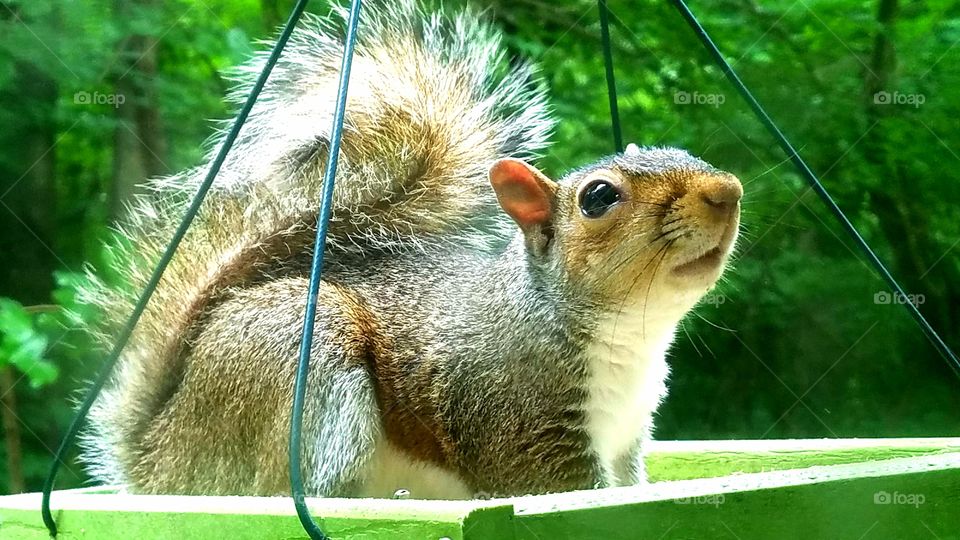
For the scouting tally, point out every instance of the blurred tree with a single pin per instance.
(139, 143)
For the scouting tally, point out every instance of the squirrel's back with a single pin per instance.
(432, 103)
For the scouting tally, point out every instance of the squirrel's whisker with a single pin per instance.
(661, 252)
(653, 276)
(711, 323)
(651, 203)
(683, 326)
(764, 173)
(613, 271)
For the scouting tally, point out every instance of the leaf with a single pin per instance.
(23, 346)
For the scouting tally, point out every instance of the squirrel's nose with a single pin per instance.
(722, 193)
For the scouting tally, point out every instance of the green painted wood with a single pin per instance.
(124, 516)
(490, 523)
(744, 489)
(684, 460)
(898, 499)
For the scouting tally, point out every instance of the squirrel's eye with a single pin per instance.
(597, 198)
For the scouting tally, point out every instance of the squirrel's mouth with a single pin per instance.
(710, 260)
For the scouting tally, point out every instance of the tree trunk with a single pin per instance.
(27, 213)
(270, 14)
(140, 147)
(11, 431)
(899, 205)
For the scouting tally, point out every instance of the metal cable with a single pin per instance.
(326, 206)
(608, 65)
(168, 253)
(815, 184)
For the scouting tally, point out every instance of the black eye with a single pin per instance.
(597, 198)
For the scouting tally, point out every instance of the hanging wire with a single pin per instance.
(608, 65)
(815, 184)
(306, 340)
(168, 253)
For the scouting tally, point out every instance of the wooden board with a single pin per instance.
(804, 489)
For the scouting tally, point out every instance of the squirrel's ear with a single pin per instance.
(525, 193)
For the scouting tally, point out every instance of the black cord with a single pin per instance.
(326, 206)
(815, 184)
(608, 65)
(168, 253)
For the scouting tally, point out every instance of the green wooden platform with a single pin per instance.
(810, 489)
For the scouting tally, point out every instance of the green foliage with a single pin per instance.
(23, 345)
(37, 340)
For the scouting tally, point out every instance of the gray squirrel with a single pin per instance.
(481, 328)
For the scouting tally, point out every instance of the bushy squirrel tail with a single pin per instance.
(432, 103)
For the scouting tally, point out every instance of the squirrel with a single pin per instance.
(481, 328)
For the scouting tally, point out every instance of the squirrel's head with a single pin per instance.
(650, 226)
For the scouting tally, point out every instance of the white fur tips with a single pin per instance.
(631, 150)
